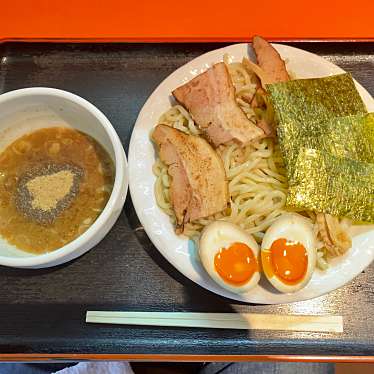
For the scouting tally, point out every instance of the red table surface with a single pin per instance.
(203, 20)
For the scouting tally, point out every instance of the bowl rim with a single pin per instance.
(119, 181)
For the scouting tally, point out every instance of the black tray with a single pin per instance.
(43, 311)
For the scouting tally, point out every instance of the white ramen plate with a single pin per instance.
(180, 252)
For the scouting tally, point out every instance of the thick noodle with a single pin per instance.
(257, 182)
(256, 173)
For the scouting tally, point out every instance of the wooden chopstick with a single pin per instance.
(245, 321)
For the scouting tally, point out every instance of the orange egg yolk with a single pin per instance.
(288, 261)
(236, 264)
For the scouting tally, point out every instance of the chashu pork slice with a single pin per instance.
(210, 98)
(270, 60)
(198, 186)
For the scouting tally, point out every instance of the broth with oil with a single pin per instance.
(54, 183)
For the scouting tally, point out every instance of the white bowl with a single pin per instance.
(28, 109)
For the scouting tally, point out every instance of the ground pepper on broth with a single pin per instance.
(54, 183)
(43, 193)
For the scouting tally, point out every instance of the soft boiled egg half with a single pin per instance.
(230, 256)
(288, 253)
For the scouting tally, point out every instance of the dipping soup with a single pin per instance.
(54, 183)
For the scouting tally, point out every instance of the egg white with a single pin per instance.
(294, 228)
(221, 234)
